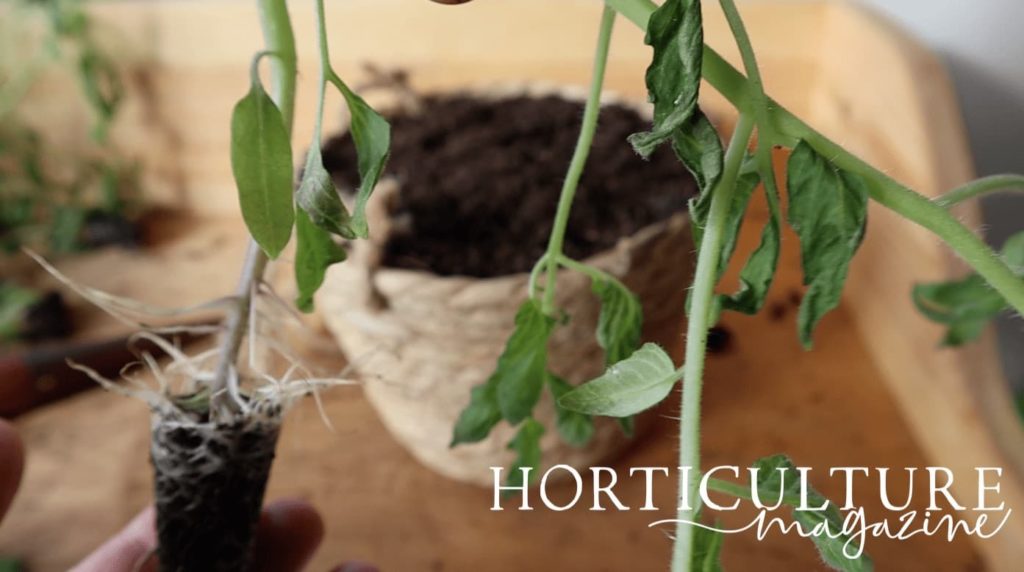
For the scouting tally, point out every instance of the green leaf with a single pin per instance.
(828, 211)
(967, 305)
(14, 303)
(318, 197)
(522, 366)
(261, 160)
(676, 33)
(777, 473)
(480, 416)
(315, 251)
(628, 425)
(66, 228)
(699, 147)
(620, 322)
(372, 137)
(759, 271)
(707, 550)
(526, 444)
(574, 427)
(746, 182)
(637, 383)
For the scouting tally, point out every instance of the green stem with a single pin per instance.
(279, 39)
(743, 492)
(979, 187)
(702, 294)
(579, 159)
(883, 189)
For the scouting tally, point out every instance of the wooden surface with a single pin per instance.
(875, 391)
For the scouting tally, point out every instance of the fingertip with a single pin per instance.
(289, 532)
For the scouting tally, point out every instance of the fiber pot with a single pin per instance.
(420, 341)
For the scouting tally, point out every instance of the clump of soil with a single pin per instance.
(480, 179)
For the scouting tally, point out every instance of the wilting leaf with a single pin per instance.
(318, 197)
(967, 305)
(261, 160)
(637, 383)
(620, 322)
(828, 211)
(480, 416)
(699, 148)
(707, 550)
(372, 137)
(676, 33)
(526, 444)
(777, 473)
(574, 427)
(315, 251)
(522, 366)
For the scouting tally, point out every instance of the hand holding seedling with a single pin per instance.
(288, 534)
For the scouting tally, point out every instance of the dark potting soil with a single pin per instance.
(480, 180)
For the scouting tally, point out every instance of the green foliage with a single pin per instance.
(828, 211)
(967, 305)
(261, 160)
(707, 550)
(372, 137)
(526, 444)
(777, 476)
(480, 416)
(14, 303)
(637, 383)
(673, 78)
(315, 251)
(318, 197)
(522, 367)
(621, 319)
(575, 428)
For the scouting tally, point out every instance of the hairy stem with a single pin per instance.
(789, 129)
(983, 186)
(279, 39)
(579, 159)
(701, 300)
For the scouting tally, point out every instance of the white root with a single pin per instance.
(185, 374)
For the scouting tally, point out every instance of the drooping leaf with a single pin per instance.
(315, 251)
(676, 33)
(828, 211)
(777, 475)
(746, 182)
(628, 387)
(699, 147)
(522, 366)
(620, 322)
(707, 550)
(480, 416)
(627, 424)
(574, 427)
(261, 160)
(758, 272)
(372, 137)
(318, 197)
(14, 303)
(967, 305)
(526, 444)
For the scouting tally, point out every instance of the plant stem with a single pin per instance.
(704, 280)
(579, 159)
(980, 187)
(279, 39)
(883, 189)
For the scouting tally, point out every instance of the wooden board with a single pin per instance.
(884, 397)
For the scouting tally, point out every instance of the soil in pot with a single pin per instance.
(479, 181)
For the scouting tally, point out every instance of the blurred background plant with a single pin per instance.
(53, 200)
